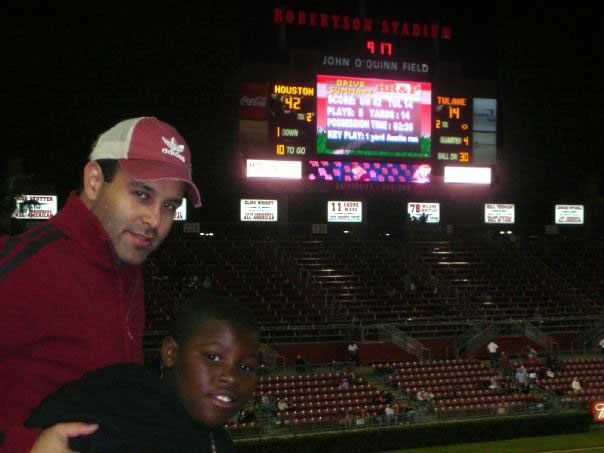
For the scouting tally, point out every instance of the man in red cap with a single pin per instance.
(71, 289)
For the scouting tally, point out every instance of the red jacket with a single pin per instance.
(65, 308)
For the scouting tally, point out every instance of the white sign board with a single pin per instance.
(344, 211)
(258, 210)
(280, 169)
(35, 207)
(431, 211)
(569, 214)
(499, 213)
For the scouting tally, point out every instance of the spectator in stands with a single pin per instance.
(209, 361)
(531, 356)
(494, 384)
(247, 415)
(504, 363)
(522, 378)
(411, 415)
(282, 405)
(552, 362)
(492, 348)
(389, 416)
(268, 405)
(353, 353)
(84, 265)
(550, 374)
(300, 364)
(575, 385)
(345, 384)
(601, 343)
(207, 283)
(428, 396)
(347, 421)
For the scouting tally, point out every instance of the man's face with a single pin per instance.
(214, 373)
(137, 215)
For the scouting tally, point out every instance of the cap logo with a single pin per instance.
(173, 148)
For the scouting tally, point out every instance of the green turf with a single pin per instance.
(588, 441)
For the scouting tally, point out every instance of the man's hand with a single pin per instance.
(56, 438)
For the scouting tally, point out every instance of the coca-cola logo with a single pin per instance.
(258, 101)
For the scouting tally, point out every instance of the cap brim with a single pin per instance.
(145, 170)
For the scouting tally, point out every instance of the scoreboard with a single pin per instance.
(292, 113)
(375, 120)
(452, 129)
(368, 108)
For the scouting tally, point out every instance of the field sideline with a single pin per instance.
(592, 442)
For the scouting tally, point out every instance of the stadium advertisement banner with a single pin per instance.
(468, 175)
(35, 207)
(499, 213)
(181, 212)
(258, 210)
(373, 117)
(253, 101)
(344, 211)
(428, 211)
(569, 214)
(597, 410)
(280, 169)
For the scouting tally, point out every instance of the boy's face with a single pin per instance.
(214, 373)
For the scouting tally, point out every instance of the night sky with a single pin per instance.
(71, 73)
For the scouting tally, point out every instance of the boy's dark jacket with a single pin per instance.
(135, 413)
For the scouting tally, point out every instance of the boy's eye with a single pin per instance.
(213, 357)
(170, 206)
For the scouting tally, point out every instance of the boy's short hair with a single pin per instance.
(200, 307)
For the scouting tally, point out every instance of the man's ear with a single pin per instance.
(169, 352)
(93, 181)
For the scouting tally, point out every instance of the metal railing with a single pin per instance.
(405, 342)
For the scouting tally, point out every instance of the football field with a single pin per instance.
(592, 442)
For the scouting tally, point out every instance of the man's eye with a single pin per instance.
(171, 206)
(213, 357)
(141, 195)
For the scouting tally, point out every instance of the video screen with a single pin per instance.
(370, 172)
(373, 117)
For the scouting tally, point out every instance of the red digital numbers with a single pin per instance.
(382, 48)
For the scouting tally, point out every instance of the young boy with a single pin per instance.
(209, 363)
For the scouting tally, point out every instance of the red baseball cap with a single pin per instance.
(148, 149)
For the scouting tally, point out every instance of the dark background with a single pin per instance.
(71, 72)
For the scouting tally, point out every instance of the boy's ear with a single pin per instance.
(169, 352)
